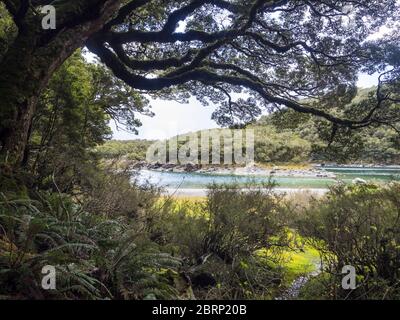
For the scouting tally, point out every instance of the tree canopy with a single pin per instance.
(275, 52)
(244, 56)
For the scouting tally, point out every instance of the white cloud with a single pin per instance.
(171, 118)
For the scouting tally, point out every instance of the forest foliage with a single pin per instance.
(110, 237)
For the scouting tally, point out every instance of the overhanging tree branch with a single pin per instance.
(206, 76)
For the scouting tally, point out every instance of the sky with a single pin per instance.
(171, 118)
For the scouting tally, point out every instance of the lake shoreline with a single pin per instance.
(315, 170)
(195, 183)
(255, 170)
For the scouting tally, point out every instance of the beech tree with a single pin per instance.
(243, 55)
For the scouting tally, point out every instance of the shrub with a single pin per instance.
(242, 221)
(359, 226)
(118, 193)
(94, 256)
(219, 238)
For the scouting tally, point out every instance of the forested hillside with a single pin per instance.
(373, 144)
(290, 137)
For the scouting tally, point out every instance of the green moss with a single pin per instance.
(298, 260)
(299, 263)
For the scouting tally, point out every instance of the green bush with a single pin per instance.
(118, 193)
(242, 221)
(95, 256)
(358, 225)
(219, 238)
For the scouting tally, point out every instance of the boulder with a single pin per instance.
(203, 280)
(359, 181)
(190, 167)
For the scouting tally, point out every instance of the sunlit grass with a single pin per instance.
(297, 263)
(296, 260)
(191, 206)
(285, 166)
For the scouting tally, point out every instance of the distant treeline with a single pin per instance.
(319, 141)
(290, 137)
(134, 150)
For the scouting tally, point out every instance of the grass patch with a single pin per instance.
(192, 207)
(297, 260)
(285, 166)
(298, 263)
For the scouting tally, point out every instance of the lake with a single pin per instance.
(177, 180)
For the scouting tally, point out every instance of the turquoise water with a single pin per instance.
(176, 180)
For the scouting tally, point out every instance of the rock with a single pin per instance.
(359, 181)
(203, 280)
(251, 164)
(168, 166)
(156, 165)
(322, 175)
(190, 167)
(140, 165)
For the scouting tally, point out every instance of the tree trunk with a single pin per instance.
(20, 85)
(25, 71)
